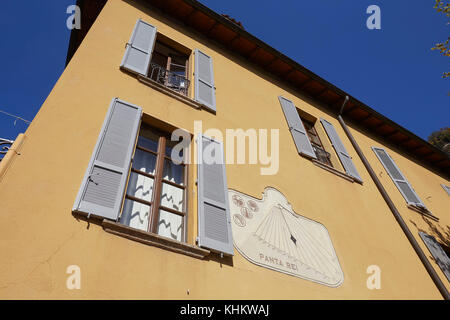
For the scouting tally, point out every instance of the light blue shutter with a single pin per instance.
(103, 185)
(205, 92)
(439, 255)
(341, 152)
(139, 49)
(214, 223)
(297, 129)
(398, 178)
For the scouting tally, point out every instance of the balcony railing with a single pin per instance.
(322, 155)
(170, 79)
(4, 147)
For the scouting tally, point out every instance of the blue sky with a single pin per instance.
(33, 48)
(392, 70)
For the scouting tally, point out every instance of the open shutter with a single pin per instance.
(103, 185)
(205, 92)
(342, 153)
(446, 188)
(139, 49)
(439, 255)
(297, 129)
(214, 223)
(399, 179)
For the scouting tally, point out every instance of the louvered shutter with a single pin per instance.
(139, 49)
(214, 223)
(342, 153)
(103, 185)
(446, 188)
(398, 178)
(297, 129)
(205, 92)
(439, 255)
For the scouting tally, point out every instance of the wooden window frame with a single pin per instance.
(158, 180)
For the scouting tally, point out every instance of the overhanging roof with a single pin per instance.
(222, 30)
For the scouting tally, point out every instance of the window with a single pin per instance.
(156, 190)
(169, 67)
(309, 144)
(316, 143)
(399, 179)
(138, 191)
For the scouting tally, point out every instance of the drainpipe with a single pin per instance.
(437, 281)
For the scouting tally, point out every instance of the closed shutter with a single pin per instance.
(297, 129)
(205, 92)
(342, 153)
(214, 223)
(439, 255)
(446, 188)
(103, 185)
(399, 179)
(139, 50)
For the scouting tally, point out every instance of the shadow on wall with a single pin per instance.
(440, 233)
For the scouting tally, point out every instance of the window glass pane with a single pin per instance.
(172, 197)
(314, 139)
(140, 187)
(169, 146)
(308, 126)
(179, 61)
(176, 81)
(159, 58)
(178, 67)
(148, 138)
(322, 155)
(173, 172)
(170, 225)
(144, 161)
(135, 215)
(148, 144)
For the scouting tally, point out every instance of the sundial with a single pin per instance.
(268, 233)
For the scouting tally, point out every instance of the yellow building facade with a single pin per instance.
(43, 233)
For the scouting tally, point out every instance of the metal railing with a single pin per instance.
(4, 147)
(169, 79)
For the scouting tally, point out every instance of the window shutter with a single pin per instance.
(297, 129)
(139, 49)
(398, 178)
(439, 255)
(205, 92)
(446, 188)
(214, 223)
(103, 185)
(342, 153)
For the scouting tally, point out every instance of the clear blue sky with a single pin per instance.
(392, 70)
